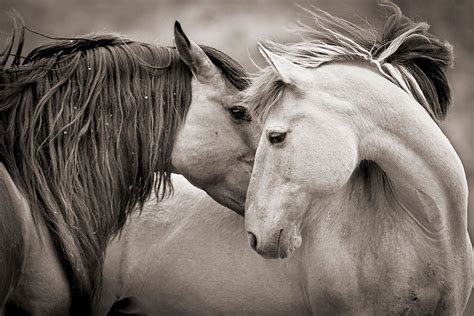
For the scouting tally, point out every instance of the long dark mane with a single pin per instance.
(404, 52)
(85, 123)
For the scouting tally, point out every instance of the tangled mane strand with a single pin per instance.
(85, 124)
(404, 52)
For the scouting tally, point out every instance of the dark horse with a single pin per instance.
(90, 127)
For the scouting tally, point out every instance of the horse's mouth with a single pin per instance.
(281, 253)
(271, 250)
(285, 247)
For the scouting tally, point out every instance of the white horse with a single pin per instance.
(352, 165)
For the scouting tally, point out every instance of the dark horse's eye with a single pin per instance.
(239, 113)
(276, 137)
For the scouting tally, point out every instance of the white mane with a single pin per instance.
(396, 53)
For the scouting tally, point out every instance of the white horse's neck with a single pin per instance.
(396, 133)
(423, 167)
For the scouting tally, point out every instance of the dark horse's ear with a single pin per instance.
(193, 56)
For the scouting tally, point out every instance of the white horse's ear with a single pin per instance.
(287, 71)
(193, 56)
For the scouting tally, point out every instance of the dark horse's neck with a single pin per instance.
(12, 246)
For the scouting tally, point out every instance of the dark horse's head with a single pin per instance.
(87, 123)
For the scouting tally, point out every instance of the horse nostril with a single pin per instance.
(252, 240)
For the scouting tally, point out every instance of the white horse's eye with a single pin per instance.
(276, 137)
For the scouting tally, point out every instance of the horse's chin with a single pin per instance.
(228, 200)
(231, 203)
(236, 206)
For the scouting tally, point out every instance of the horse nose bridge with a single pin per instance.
(261, 221)
(260, 212)
(251, 211)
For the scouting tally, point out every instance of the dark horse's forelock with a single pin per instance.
(85, 124)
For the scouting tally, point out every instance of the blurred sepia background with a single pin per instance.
(235, 26)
